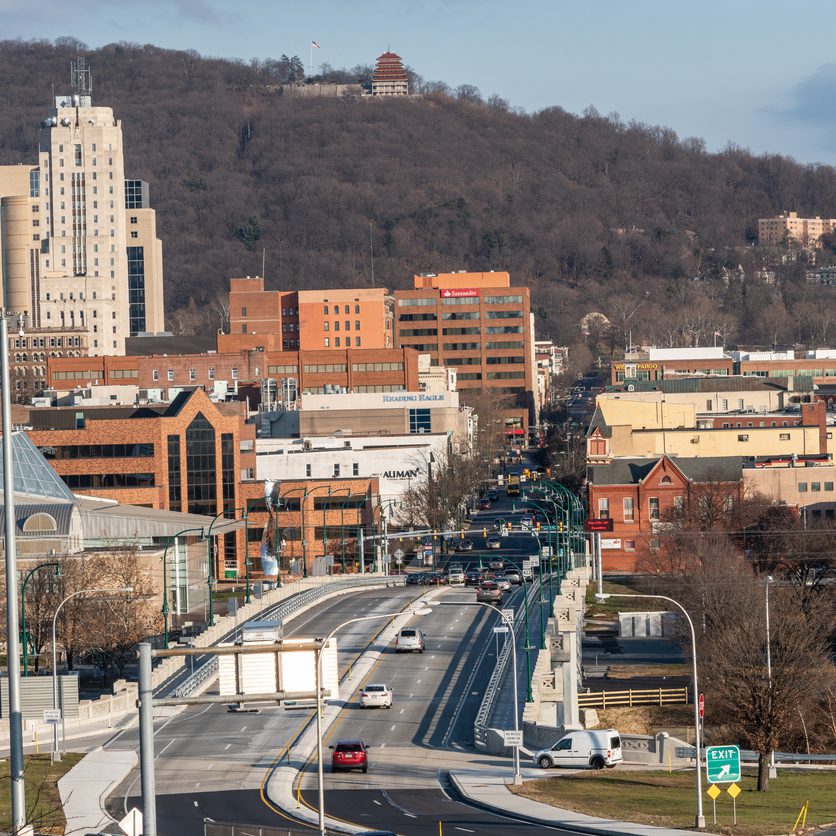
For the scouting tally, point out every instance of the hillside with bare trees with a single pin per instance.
(593, 212)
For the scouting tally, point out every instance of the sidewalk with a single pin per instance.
(488, 789)
(85, 788)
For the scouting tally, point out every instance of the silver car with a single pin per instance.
(409, 640)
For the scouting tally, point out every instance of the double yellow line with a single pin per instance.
(297, 734)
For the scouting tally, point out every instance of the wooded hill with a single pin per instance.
(593, 213)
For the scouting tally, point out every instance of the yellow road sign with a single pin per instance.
(733, 790)
(714, 791)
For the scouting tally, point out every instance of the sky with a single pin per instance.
(760, 74)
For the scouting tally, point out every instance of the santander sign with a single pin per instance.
(456, 293)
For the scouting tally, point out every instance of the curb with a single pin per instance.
(606, 828)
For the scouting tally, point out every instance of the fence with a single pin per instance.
(629, 698)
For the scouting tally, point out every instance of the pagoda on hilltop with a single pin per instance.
(390, 77)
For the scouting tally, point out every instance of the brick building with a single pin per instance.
(307, 320)
(480, 325)
(641, 495)
(191, 455)
(358, 370)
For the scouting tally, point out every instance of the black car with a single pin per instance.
(493, 495)
(416, 579)
(473, 578)
(434, 579)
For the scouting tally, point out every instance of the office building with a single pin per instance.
(306, 320)
(78, 240)
(480, 325)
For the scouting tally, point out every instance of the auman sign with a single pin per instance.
(401, 474)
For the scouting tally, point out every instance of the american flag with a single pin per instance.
(315, 45)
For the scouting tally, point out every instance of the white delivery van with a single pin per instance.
(583, 749)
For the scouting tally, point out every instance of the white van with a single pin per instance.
(584, 749)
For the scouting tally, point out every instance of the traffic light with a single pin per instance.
(484, 532)
(560, 526)
(538, 525)
(461, 535)
(509, 526)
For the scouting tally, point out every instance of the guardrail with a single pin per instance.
(748, 756)
(486, 707)
(631, 697)
(278, 612)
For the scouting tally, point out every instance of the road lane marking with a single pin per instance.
(159, 755)
(227, 746)
(417, 681)
(244, 728)
(464, 829)
(403, 709)
(211, 765)
(375, 801)
(195, 804)
(393, 728)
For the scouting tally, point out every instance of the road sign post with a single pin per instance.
(722, 764)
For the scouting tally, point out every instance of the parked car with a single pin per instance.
(484, 505)
(493, 543)
(349, 754)
(378, 695)
(588, 749)
(513, 575)
(409, 639)
(464, 546)
(435, 579)
(496, 563)
(473, 578)
(488, 593)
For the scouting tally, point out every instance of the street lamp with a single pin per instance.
(772, 771)
(415, 611)
(509, 624)
(23, 632)
(171, 540)
(56, 755)
(699, 820)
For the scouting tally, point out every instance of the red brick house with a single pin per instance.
(640, 495)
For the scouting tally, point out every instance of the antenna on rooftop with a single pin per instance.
(80, 78)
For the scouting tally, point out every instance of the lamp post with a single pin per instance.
(322, 645)
(303, 491)
(767, 580)
(309, 492)
(171, 541)
(343, 504)
(23, 632)
(699, 818)
(56, 755)
(509, 624)
(18, 791)
(338, 492)
(528, 648)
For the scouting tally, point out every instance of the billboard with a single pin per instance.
(296, 671)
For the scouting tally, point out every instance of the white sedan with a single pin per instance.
(379, 696)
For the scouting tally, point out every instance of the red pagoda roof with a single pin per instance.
(389, 68)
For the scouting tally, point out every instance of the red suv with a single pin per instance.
(349, 754)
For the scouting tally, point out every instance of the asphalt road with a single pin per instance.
(211, 763)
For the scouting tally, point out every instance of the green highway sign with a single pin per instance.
(722, 764)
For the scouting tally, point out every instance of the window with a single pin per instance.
(243, 311)
(327, 343)
(629, 514)
(503, 300)
(422, 302)
(325, 310)
(653, 508)
(815, 486)
(355, 469)
(228, 476)
(284, 369)
(357, 325)
(201, 467)
(357, 342)
(503, 315)
(192, 374)
(324, 368)
(211, 373)
(603, 507)
(175, 490)
(336, 470)
(629, 545)
(679, 505)
(346, 310)
(357, 310)
(666, 480)
(337, 342)
(376, 367)
(784, 436)
(235, 372)
(743, 437)
(308, 469)
(171, 374)
(708, 406)
(336, 325)
(347, 325)
(724, 405)
(326, 326)
(828, 486)
(802, 487)
(419, 421)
